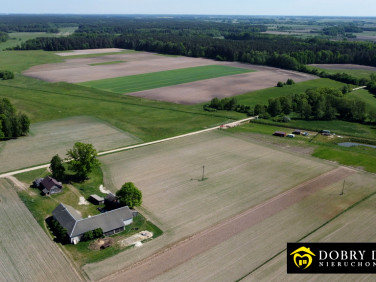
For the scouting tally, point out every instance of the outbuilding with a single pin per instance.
(96, 200)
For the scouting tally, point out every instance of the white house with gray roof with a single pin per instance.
(111, 222)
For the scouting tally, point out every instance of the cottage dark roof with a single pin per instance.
(75, 225)
(49, 182)
(110, 197)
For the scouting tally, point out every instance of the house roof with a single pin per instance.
(75, 225)
(49, 183)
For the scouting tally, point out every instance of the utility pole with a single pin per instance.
(203, 173)
(343, 187)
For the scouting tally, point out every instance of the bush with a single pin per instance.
(280, 84)
(290, 82)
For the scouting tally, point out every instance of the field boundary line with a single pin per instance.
(46, 165)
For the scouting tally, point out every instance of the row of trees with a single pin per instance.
(273, 50)
(228, 104)
(12, 124)
(319, 104)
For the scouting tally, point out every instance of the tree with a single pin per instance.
(83, 159)
(97, 233)
(87, 236)
(290, 82)
(280, 84)
(129, 195)
(274, 107)
(25, 123)
(57, 167)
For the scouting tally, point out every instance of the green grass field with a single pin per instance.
(354, 73)
(134, 83)
(262, 96)
(16, 38)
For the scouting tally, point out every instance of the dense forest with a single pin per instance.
(12, 124)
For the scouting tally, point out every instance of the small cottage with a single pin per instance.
(48, 185)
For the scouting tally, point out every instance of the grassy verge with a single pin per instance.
(107, 63)
(133, 83)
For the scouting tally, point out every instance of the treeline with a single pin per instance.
(12, 124)
(318, 104)
(264, 49)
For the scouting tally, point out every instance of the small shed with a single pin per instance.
(96, 200)
(279, 134)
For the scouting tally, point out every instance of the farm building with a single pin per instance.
(96, 200)
(279, 133)
(48, 185)
(111, 222)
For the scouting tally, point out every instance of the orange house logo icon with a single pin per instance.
(303, 257)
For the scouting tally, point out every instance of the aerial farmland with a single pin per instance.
(192, 127)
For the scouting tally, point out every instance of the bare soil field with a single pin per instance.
(47, 139)
(90, 51)
(82, 70)
(343, 67)
(355, 225)
(26, 252)
(250, 249)
(209, 238)
(240, 175)
(228, 86)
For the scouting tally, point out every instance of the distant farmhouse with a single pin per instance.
(111, 222)
(48, 185)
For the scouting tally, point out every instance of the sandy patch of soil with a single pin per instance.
(89, 51)
(136, 239)
(184, 250)
(343, 67)
(82, 201)
(104, 190)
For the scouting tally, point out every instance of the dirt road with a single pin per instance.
(7, 174)
(209, 238)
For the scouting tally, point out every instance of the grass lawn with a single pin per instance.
(134, 83)
(365, 96)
